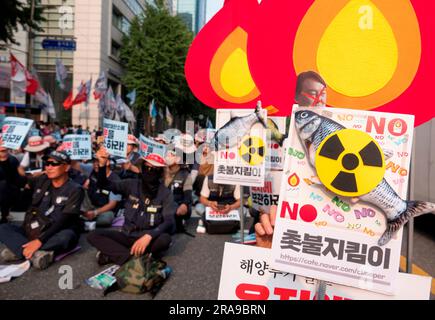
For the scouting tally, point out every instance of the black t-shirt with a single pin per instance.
(9, 170)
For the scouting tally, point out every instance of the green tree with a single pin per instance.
(14, 13)
(154, 54)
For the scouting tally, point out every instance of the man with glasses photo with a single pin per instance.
(52, 225)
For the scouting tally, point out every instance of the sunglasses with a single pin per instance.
(52, 164)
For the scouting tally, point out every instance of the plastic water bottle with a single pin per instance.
(165, 273)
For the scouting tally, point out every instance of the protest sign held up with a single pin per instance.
(78, 146)
(15, 131)
(115, 137)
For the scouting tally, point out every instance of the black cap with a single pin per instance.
(59, 156)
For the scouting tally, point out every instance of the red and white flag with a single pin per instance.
(22, 77)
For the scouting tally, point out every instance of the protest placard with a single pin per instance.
(246, 274)
(241, 147)
(266, 196)
(148, 146)
(328, 236)
(14, 131)
(212, 215)
(115, 137)
(78, 146)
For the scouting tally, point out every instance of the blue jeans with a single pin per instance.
(14, 237)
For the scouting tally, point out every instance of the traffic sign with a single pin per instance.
(53, 44)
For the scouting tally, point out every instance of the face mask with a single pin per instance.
(151, 180)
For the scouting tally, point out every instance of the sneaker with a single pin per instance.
(8, 256)
(42, 259)
(102, 259)
(200, 228)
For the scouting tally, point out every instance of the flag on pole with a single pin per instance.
(120, 107)
(100, 87)
(83, 93)
(153, 109)
(22, 77)
(132, 97)
(68, 103)
(169, 117)
(48, 107)
(109, 105)
(61, 74)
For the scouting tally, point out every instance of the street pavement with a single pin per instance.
(196, 264)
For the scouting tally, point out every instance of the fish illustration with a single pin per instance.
(229, 135)
(275, 135)
(313, 129)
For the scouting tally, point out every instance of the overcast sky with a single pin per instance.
(213, 6)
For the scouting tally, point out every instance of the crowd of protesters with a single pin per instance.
(147, 198)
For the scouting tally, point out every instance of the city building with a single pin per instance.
(192, 12)
(96, 28)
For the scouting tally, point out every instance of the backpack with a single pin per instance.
(140, 275)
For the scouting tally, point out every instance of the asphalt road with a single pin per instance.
(196, 264)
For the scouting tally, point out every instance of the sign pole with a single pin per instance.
(242, 217)
(321, 290)
(410, 233)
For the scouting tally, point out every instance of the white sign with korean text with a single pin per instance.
(14, 131)
(247, 275)
(78, 146)
(276, 127)
(334, 238)
(115, 137)
(148, 146)
(241, 142)
(212, 215)
(266, 196)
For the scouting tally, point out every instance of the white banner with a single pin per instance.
(334, 238)
(212, 215)
(14, 131)
(241, 143)
(115, 137)
(78, 146)
(247, 275)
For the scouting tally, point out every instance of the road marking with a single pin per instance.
(417, 270)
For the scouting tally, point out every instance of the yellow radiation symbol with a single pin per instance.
(252, 150)
(350, 163)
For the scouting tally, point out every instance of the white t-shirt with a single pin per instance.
(205, 191)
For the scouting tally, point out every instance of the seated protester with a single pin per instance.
(9, 181)
(149, 214)
(52, 225)
(177, 178)
(76, 174)
(220, 198)
(201, 170)
(129, 168)
(186, 144)
(101, 204)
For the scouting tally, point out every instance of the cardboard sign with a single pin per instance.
(266, 196)
(328, 237)
(115, 137)
(241, 148)
(247, 275)
(148, 146)
(78, 146)
(217, 216)
(15, 131)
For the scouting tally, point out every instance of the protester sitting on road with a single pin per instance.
(9, 182)
(177, 178)
(149, 214)
(52, 223)
(101, 204)
(186, 144)
(129, 168)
